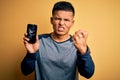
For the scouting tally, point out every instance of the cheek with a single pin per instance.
(69, 26)
(54, 23)
(54, 26)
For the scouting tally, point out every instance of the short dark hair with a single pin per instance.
(63, 5)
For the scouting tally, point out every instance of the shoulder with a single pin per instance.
(43, 36)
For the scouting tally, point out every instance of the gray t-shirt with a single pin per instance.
(56, 60)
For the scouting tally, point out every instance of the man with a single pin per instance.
(56, 56)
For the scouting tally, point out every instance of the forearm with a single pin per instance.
(85, 64)
(28, 63)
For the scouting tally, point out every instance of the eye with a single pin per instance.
(66, 20)
(57, 18)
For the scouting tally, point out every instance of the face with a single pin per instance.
(62, 21)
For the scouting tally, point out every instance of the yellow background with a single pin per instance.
(101, 18)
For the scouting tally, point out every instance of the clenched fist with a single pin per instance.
(79, 40)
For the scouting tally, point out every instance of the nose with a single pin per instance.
(61, 22)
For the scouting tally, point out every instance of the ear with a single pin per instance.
(73, 22)
(51, 20)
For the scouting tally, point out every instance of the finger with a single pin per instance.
(26, 39)
(83, 33)
(25, 34)
(37, 38)
(75, 38)
(25, 42)
(79, 34)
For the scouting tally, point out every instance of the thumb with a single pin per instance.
(37, 39)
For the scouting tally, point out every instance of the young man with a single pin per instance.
(56, 56)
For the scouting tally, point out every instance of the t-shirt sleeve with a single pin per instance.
(28, 63)
(85, 64)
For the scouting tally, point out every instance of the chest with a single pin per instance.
(60, 55)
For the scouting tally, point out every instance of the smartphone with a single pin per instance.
(31, 32)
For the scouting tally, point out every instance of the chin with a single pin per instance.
(61, 34)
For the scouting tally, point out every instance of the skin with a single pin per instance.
(62, 21)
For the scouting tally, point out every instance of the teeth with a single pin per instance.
(61, 29)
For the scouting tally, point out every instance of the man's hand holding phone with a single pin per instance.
(30, 39)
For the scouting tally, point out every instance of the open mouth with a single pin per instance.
(61, 29)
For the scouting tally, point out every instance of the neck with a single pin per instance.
(60, 38)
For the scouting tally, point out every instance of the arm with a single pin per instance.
(84, 60)
(85, 64)
(28, 63)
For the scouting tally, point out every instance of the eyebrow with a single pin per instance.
(66, 19)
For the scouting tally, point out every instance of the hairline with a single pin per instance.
(63, 10)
